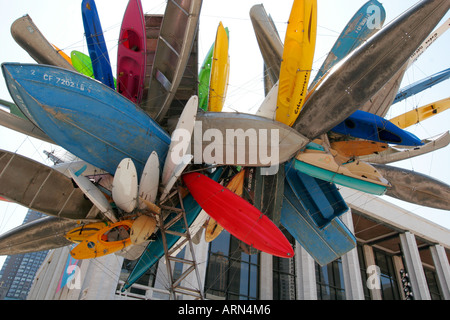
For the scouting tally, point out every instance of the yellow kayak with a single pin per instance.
(220, 71)
(415, 116)
(296, 65)
(111, 238)
(213, 229)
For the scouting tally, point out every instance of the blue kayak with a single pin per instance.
(421, 85)
(155, 249)
(324, 244)
(85, 117)
(320, 198)
(368, 126)
(96, 43)
(360, 28)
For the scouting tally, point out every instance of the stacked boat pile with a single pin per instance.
(134, 134)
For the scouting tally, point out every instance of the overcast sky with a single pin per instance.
(61, 23)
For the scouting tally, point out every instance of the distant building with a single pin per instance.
(399, 255)
(18, 271)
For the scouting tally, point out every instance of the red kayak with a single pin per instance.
(132, 53)
(237, 216)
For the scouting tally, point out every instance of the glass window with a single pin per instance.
(363, 269)
(284, 277)
(389, 285)
(232, 270)
(330, 281)
(433, 284)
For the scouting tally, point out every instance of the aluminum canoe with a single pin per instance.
(244, 139)
(380, 103)
(39, 235)
(367, 21)
(394, 153)
(28, 36)
(175, 43)
(41, 188)
(415, 187)
(269, 41)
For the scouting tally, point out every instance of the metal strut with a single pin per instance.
(192, 266)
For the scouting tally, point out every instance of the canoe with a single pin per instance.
(357, 174)
(41, 188)
(236, 185)
(175, 42)
(237, 216)
(380, 103)
(23, 125)
(415, 187)
(422, 85)
(82, 63)
(220, 71)
(243, 139)
(63, 54)
(358, 148)
(422, 113)
(324, 245)
(367, 21)
(132, 53)
(345, 89)
(269, 41)
(96, 43)
(298, 56)
(28, 36)
(38, 235)
(155, 249)
(371, 127)
(203, 80)
(81, 233)
(393, 154)
(111, 238)
(77, 112)
(321, 199)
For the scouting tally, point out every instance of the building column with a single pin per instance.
(442, 269)
(414, 266)
(266, 276)
(102, 276)
(350, 266)
(306, 274)
(373, 277)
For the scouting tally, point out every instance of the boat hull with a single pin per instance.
(41, 188)
(85, 117)
(132, 53)
(324, 245)
(96, 43)
(237, 216)
(415, 187)
(371, 127)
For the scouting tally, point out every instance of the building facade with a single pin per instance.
(398, 256)
(18, 271)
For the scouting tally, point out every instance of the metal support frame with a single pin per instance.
(175, 285)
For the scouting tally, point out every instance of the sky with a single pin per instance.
(61, 23)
